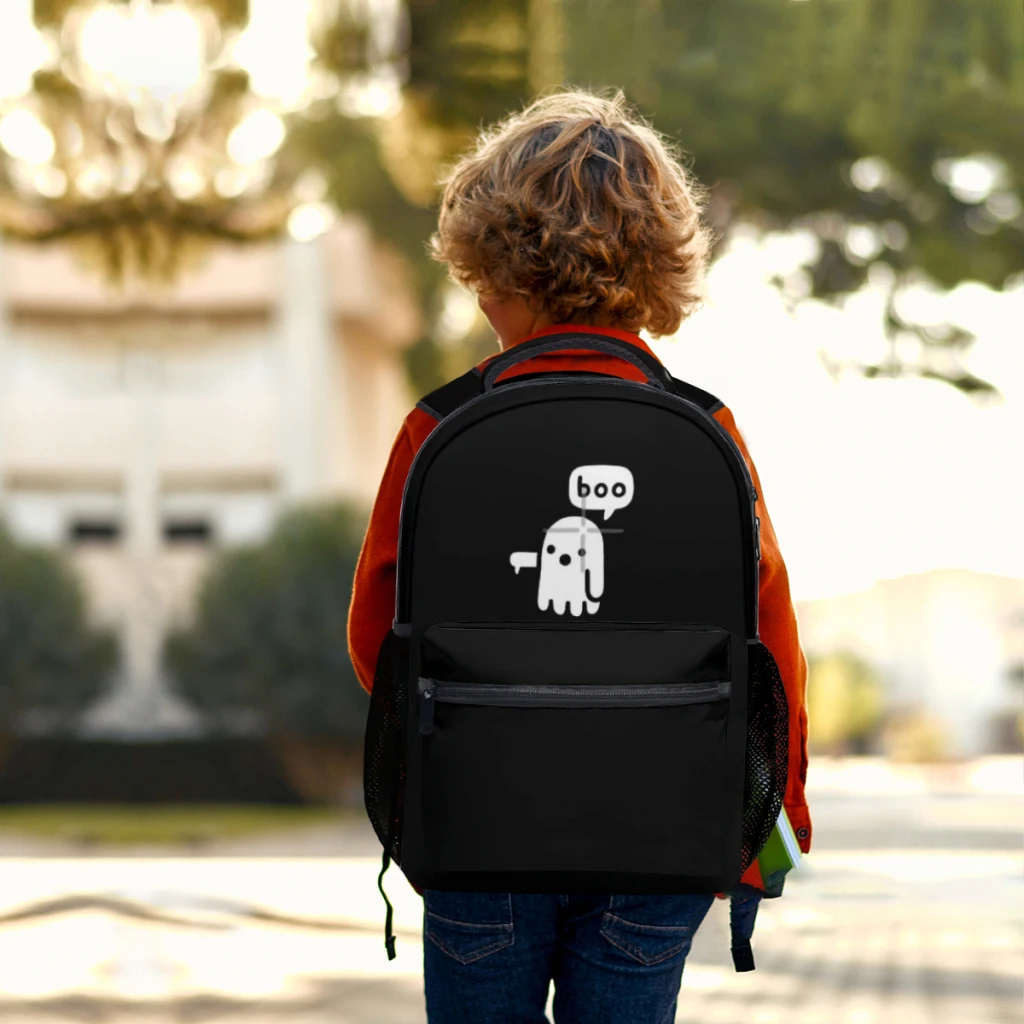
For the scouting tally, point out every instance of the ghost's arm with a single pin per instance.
(523, 560)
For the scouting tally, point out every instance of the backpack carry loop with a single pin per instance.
(655, 373)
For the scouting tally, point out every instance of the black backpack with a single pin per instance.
(573, 697)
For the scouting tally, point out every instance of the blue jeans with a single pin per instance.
(489, 957)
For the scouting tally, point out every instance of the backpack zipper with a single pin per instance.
(432, 691)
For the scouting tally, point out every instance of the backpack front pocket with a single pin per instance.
(537, 758)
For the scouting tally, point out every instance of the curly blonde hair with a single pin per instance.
(580, 206)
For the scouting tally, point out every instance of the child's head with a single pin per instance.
(579, 207)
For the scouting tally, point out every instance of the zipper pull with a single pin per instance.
(427, 691)
(757, 536)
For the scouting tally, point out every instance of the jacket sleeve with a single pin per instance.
(372, 608)
(778, 629)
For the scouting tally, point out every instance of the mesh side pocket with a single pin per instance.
(384, 750)
(767, 756)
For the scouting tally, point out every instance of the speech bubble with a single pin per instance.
(601, 488)
(523, 560)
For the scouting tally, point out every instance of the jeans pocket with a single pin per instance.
(647, 944)
(468, 926)
(654, 929)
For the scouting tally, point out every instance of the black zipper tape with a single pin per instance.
(433, 691)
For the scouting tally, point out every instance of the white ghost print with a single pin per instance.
(572, 557)
(571, 567)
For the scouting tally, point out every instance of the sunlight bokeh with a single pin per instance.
(274, 50)
(22, 49)
(156, 51)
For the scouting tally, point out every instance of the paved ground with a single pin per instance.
(908, 912)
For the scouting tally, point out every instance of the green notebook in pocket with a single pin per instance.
(782, 852)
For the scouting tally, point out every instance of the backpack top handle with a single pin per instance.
(655, 373)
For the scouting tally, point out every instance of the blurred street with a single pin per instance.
(909, 910)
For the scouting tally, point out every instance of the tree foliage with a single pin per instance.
(892, 129)
(50, 12)
(268, 637)
(53, 664)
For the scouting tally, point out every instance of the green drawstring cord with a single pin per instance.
(389, 935)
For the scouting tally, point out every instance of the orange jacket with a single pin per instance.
(373, 595)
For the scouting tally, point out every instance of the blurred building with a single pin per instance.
(142, 431)
(949, 642)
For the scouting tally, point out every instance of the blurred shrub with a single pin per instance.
(53, 664)
(844, 704)
(914, 734)
(267, 648)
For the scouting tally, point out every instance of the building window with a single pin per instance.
(94, 530)
(188, 531)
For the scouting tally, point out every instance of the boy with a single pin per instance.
(572, 215)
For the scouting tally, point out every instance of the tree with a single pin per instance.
(892, 129)
(267, 643)
(53, 664)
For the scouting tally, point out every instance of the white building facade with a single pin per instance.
(142, 431)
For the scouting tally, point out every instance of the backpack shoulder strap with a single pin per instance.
(443, 401)
(707, 401)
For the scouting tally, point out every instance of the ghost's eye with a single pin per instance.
(551, 549)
